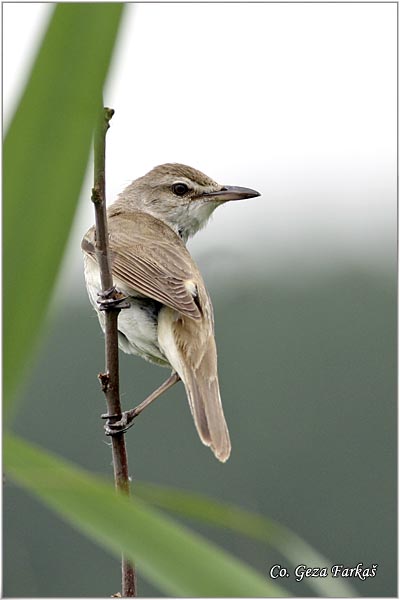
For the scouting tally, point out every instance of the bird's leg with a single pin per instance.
(112, 298)
(126, 420)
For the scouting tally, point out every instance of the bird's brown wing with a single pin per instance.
(150, 258)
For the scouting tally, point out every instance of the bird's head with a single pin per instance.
(179, 195)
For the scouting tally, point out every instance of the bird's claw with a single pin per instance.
(124, 422)
(112, 298)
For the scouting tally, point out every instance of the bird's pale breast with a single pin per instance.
(137, 325)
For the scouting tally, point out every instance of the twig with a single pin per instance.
(110, 379)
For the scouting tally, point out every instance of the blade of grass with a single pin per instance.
(46, 150)
(257, 527)
(177, 561)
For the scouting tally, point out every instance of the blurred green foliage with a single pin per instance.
(46, 150)
(178, 561)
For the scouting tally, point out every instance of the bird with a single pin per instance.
(167, 315)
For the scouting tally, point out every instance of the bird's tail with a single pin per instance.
(206, 407)
(190, 349)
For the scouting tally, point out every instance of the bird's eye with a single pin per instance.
(180, 189)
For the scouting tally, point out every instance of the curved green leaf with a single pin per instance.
(45, 156)
(177, 561)
(210, 511)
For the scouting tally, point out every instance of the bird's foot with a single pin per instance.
(112, 298)
(125, 422)
(121, 423)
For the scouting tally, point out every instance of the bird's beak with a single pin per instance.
(230, 192)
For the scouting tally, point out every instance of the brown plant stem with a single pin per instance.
(110, 379)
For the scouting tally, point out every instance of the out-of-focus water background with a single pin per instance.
(299, 102)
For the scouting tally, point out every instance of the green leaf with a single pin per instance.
(46, 151)
(257, 527)
(177, 561)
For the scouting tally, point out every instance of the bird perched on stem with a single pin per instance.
(167, 315)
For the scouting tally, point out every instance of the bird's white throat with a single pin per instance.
(186, 220)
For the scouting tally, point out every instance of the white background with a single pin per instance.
(295, 100)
